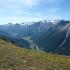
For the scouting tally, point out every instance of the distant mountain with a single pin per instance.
(44, 35)
(4, 33)
(26, 30)
(12, 29)
(35, 28)
(56, 39)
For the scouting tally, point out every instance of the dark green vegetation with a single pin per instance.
(13, 57)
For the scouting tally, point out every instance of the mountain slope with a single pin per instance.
(13, 57)
(65, 45)
(35, 29)
(4, 33)
(42, 35)
(56, 39)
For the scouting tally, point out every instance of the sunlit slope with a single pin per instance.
(13, 57)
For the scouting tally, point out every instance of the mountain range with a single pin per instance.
(48, 36)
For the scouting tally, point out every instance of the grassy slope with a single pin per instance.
(16, 58)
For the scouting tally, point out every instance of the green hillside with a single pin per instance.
(13, 57)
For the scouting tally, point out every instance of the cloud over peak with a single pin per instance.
(24, 3)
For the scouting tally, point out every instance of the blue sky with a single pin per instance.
(17, 11)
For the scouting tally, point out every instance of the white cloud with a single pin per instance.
(25, 3)
(6, 20)
(19, 19)
(55, 17)
(30, 3)
(19, 3)
(20, 10)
